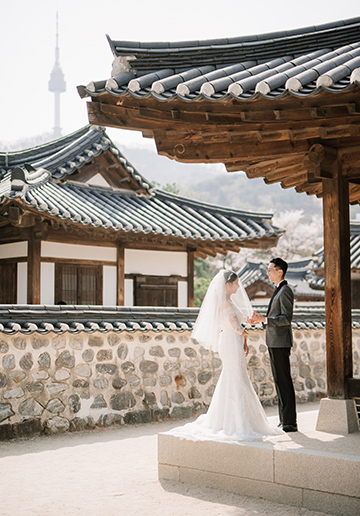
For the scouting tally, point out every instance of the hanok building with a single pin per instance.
(300, 275)
(79, 225)
(282, 106)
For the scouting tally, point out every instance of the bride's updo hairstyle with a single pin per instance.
(230, 276)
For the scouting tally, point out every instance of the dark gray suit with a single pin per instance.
(279, 340)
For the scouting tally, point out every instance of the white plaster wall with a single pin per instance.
(109, 285)
(22, 283)
(157, 263)
(78, 252)
(47, 292)
(14, 250)
(129, 292)
(182, 294)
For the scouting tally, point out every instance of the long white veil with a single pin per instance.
(208, 323)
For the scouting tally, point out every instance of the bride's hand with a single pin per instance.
(246, 347)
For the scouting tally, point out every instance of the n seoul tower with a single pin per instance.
(57, 85)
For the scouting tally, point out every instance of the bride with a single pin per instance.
(235, 412)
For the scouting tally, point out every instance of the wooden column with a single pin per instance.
(33, 273)
(120, 267)
(337, 283)
(190, 276)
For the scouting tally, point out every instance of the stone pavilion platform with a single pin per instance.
(315, 470)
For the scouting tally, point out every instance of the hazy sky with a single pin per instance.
(27, 43)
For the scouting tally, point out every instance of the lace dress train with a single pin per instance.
(235, 412)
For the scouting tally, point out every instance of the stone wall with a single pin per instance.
(52, 383)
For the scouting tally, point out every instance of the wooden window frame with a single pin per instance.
(79, 266)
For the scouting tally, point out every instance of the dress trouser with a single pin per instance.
(280, 366)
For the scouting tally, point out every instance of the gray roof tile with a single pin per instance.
(310, 54)
(28, 319)
(53, 191)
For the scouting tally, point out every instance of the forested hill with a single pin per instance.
(212, 183)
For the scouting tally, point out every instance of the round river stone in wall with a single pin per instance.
(174, 352)
(190, 352)
(8, 362)
(123, 400)
(194, 393)
(39, 342)
(30, 407)
(204, 378)
(119, 383)
(177, 397)
(56, 388)
(139, 352)
(164, 380)
(170, 339)
(134, 380)
(19, 343)
(101, 384)
(106, 368)
(99, 402)
(74, 403)
(2, 380)
(5, 411)
(148, 366)
(17, 376)
(122, 351)
(13, 393)
(156, 351)
(55, 406)
(61, 375)
(57, 425)
(35, 387)
(59, 342)
(171, 366)
(104, 354)
(127, 367)
(88, 355)
(26, 361)
(76, 342)
(113, 340)
(4, 346)
(65, 359)
(96, 341)
(44, 360)
(83, 370)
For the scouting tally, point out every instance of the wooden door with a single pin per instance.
(155, 291)
(8, 283)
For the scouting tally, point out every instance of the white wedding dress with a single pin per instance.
(235, 412)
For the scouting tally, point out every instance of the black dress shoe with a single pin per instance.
(280, 424)
(290, 428)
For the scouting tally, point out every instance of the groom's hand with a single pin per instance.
(257, 318)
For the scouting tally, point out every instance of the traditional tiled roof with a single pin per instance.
(301, 62)
(299, 275)
(42, 319)
(66, 156)
(50, 191)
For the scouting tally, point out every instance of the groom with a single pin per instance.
(279, 341)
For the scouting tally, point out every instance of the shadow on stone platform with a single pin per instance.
(315, 470)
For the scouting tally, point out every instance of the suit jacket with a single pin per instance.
(279, 317)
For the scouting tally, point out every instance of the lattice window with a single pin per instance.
(78, 284)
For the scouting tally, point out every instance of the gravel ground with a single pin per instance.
(109, 472)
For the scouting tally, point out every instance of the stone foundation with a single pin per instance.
(55, 383)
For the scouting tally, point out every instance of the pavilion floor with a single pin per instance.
(310, 469)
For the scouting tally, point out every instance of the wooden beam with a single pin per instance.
(34, 269)
(190, 276)
(222, 152)
(337, 284)
(120, 275)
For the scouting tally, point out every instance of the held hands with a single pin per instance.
(256, 318)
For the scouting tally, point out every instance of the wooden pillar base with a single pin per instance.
(337, 416)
